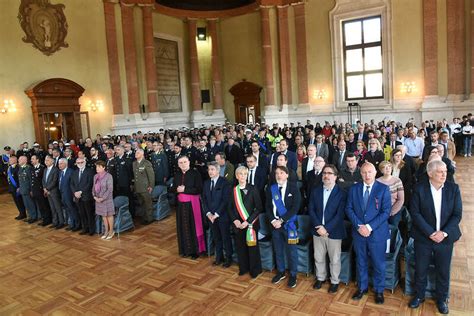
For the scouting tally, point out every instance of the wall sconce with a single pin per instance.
(8, 106)
(201, 33)
(97, 106)
(408, 87)
(320, 94)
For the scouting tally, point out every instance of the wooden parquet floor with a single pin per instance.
(45, 271)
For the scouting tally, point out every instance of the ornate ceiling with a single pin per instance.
(205, 5)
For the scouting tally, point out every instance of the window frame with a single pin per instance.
(362, 46)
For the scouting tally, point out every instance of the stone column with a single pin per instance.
(150, 66)
(215, 65)
(130, 58)
(195, 88)
(267, 57)
(285, 66)
(301, 61)
(456, 49)
(112, 56)
(430, 47)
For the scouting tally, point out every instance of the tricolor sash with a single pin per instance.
(251, 236)
(289, 225)
(196, 205)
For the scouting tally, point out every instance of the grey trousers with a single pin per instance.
(332, 247)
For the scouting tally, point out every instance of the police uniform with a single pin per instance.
(24, 179)
(12, 177)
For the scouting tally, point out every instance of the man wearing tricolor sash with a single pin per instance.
(283, 202)
(243, 211)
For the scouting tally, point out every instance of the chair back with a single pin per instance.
(264, 224)
(304, 227)
(120, 202)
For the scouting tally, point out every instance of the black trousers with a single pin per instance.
(42, 205)
(442, 254)
(19, 203)
(221, 236)
(125, 191)
(86, 215)
(249, 257)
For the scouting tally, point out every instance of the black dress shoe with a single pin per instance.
(91, 234)
(59, 226)
(83, 232)
(278, 277)
(194, 257)
(227, 263)
(379, 299)
(31, 221)
(20, 217)
(333, 288)
(45, 223)
(242, 273)
(292, 281)
(415, 302)
(217, 262)
(442, 307)
(76, 229)
(358, 295)
(317, 285)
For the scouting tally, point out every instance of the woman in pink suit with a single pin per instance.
(104, 201)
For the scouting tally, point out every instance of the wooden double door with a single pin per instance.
(246, 102)
(57, 112)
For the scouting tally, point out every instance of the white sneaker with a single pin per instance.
(104, 236)
(110, 236)
(465, 155)
(469, 155)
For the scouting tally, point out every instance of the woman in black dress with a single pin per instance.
(243, 211)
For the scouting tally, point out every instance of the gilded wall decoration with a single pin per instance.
(44, 25)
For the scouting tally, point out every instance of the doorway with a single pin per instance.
(56, 111)
(246, 102)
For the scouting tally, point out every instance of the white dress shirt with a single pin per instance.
(252, 172)
(326, 194)
(310, 165)
(437, 199)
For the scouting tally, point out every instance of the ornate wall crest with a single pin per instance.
(44, 24)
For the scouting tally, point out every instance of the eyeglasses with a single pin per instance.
(327, 173)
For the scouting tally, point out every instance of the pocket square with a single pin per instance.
(290, 195)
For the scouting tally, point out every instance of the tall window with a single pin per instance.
(362, 48)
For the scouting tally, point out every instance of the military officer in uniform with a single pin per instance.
(144, 181)
(24, 179)
(123, 177)
(12, 177)
(160, 164)
(37, 192)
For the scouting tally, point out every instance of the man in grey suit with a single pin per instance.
(51, 191)
(322, 149)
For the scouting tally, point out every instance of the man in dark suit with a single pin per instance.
(37, 192)
(51, 191)
(368, 209)
(81, 185)
(326, 209)
(307, 164)
(282, 204)
(261, 158)
(215, 201)
(291, 156)
(67, 196)
(393, 142)
(311, 138)
(315, 177)
(258, 175)
(282, 161)
(436, 210)
(361, 135)
(339, 157)
(233, 152)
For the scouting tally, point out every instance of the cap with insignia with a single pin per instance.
(36, 145)
(7, 148)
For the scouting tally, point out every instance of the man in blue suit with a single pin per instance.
(436, 210)
(326, 209)
(368, 209)
(66, 195)
(283, 201)
(258, 175)
(215, 200)
(291, 156)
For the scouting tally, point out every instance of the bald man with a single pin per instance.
(368, 209)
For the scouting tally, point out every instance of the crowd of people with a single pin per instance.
(373, 175)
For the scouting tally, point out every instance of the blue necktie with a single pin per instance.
(61, 178)
(366, 196)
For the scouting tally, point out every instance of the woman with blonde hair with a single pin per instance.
(397, 193)
(244, 209)
(300, 155)
(375, 155)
